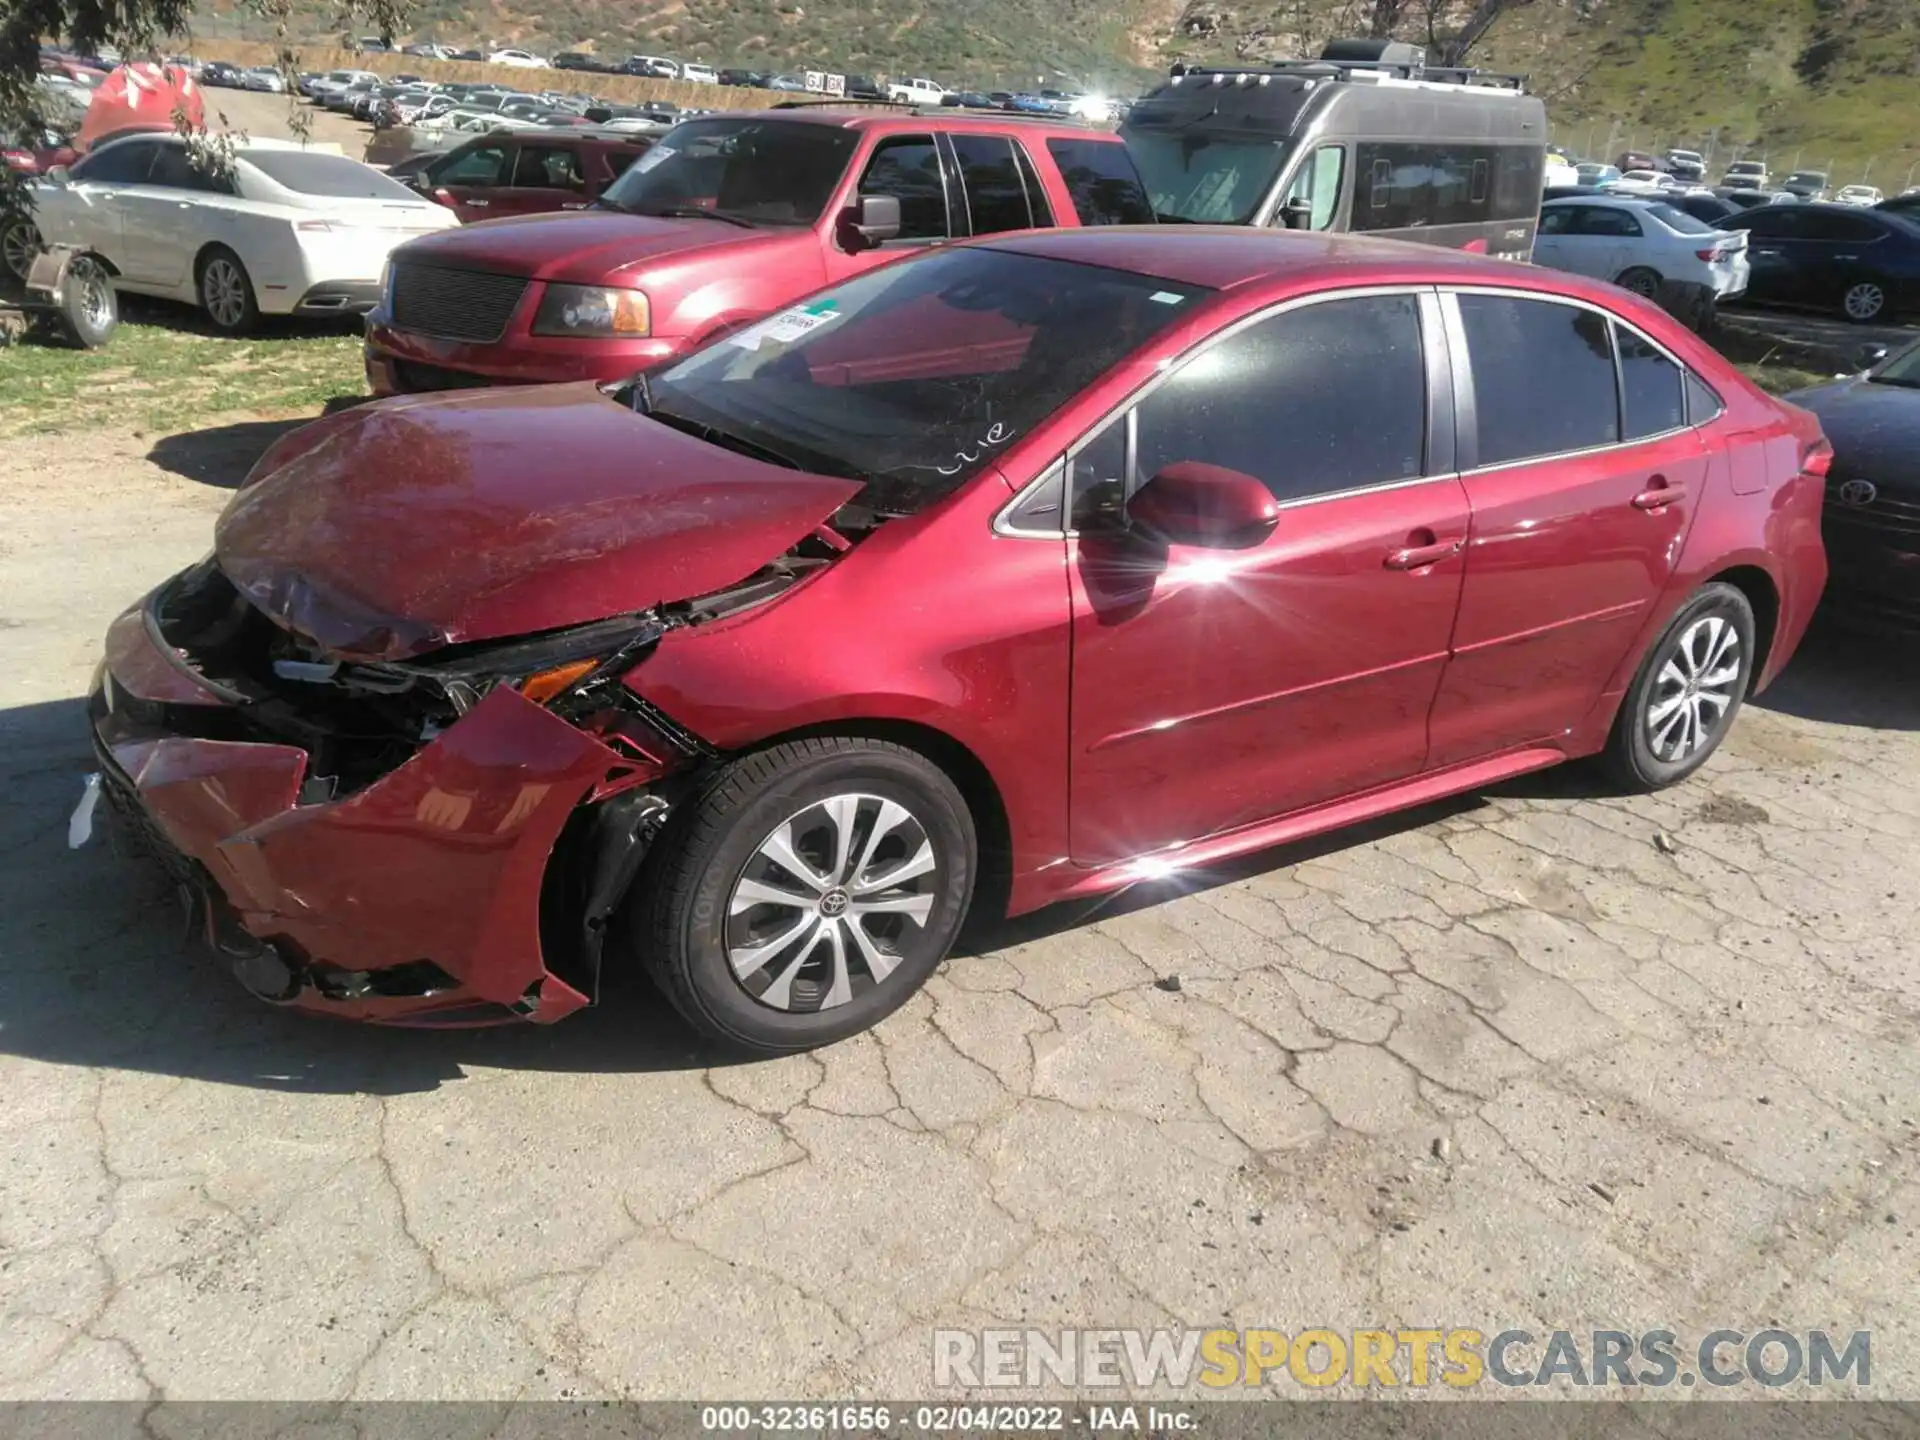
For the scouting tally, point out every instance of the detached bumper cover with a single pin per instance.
(428, 880)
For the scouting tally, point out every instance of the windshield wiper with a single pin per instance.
(713, 435)
(694, 212)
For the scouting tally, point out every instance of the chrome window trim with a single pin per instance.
(1456, 331)
(1145, 390)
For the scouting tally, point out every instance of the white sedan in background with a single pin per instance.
(1639, 245)
(1857, 195)
(265, 78)
(290, 231)
(519, 59)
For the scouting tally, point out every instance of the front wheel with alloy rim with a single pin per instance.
(1864, 302)
(19, 244)
(1688, 689)
(806, 893)
(226, 294)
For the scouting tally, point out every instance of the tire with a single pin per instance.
(19, 243)
(1645, 751)
(89, 307)
(226, 292)
(711, 925)
(1864, 302)
(1642, 281)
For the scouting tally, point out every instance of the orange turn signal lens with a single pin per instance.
(546, 684)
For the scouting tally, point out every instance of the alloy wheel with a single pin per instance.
(1865, 301)
(223, 289)
(19, 243)
(824, 908)
(1694, 689)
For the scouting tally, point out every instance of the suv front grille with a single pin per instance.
(454, 304)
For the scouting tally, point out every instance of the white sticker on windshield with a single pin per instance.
(789, 325)
(1166, 297)
(652, 158)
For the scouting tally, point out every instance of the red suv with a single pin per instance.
(1022, 571)
(726, 219)
(507, 173)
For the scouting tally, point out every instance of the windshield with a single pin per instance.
(1902, 368)
(914, 377)
(762, 172)
(1196, 177)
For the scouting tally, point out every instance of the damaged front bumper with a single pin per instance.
(413, 894)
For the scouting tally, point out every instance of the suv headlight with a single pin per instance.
(594, 312)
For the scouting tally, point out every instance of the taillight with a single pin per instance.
(1818, 460)
(1713, 254)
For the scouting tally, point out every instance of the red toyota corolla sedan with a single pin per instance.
(1022, 570)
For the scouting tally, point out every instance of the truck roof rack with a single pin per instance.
(1419, 73)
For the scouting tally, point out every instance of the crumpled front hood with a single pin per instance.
(1875, 431)
(588, 247)
(399, 527)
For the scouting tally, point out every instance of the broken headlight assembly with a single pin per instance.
(564, 670)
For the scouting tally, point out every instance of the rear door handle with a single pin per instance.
(1659, 494)
(479, 204)
(1413, 557)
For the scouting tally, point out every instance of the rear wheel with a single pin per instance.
(1641, 281)
(226, 294)
(19, 244)
(807, 893)
(1688, 689)
(1864, 302)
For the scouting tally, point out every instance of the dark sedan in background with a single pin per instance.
(1871, 523)
(1862, 264)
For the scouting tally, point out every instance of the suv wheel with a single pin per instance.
(1689, 688)
(807, 893)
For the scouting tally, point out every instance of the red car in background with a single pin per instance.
(1024, 570)
(724, 220)
(509, 173)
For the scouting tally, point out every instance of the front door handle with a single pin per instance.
(1422, 550)
(479, 204)
(1659, 494)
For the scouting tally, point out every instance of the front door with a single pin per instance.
(1215, 688)
(545, 177)
(909, 168)
(1583, 479)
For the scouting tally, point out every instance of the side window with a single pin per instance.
(546, 167)
(909, 170)
(1543, 377)
(996, 198)
(1519, 173)
(1851, 229)
(1315, 401)
(483, 165)
(1653, 397)
(1317, 182)
(1559, 220)
(1106, 189)
(1602, 221)
(1702, 403)
(174, 168)
(118, 164)
(1036, 192)
(617, 161)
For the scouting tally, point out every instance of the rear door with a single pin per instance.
(176, 213)
(1583, 477)
(1779, 254)
(545, 176)
(1594, 240)
(993, 185)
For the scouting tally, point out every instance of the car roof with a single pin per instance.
(1222, 257)
(858, 115)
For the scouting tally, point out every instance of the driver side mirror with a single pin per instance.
(875, 219)
(1193, 503)
(1296, 213)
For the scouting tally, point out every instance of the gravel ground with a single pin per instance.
(1532, 1059)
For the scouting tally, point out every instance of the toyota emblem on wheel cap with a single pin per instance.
(1859, 492)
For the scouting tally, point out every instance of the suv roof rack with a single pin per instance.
(1466, 77)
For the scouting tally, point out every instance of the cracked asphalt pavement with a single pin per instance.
(1537, 1058)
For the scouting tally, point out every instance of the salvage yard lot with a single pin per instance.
(1532, 1059)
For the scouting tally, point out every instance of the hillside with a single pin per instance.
(1827, 81)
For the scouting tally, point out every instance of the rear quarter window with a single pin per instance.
(1100, 176)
